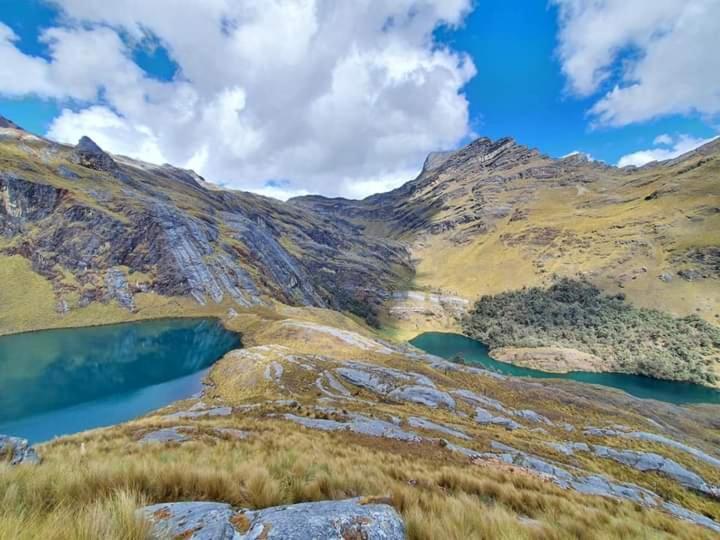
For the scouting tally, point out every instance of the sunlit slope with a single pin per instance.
(98, 238)
(496, 216)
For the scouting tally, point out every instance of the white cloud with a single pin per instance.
(663, 139)
(109, 131)
(578, 153)
(330, 95)
(679, 145)
(658, 55)
(359, 189)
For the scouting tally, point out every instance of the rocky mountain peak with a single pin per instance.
(88, 154)
(435, 160)
(6, 123)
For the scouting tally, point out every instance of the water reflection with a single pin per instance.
(54, 369)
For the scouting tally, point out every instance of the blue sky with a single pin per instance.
(520, 91)
(284, 123)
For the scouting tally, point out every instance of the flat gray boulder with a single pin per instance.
(327, 520)
(191, 520)
(483, 416)
(18, 451)
(358, 424)
(166, 435)
(649, 461)
(423, 423)
(423, 395)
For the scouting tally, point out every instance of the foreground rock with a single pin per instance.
(18, 451)
(340, 520)
(593, 484)
(649, 461)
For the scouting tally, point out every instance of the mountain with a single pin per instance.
(101, 238)
(317, 407)
(83, 227)
(497, 216)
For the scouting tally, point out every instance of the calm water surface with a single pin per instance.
(447, 345)
(57, 382)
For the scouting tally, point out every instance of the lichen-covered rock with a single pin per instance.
(533, 416)
(364, 379)
(654, 437)
(191, 520)
(201, 412)
(358, 424)
(649, 461)
(423, 395)
(165, 435)
(476, 399)
(483, 416)
(596, 484)
(331, 520)
(570, 448)
(424, 423)
(17, 451)
(326, 520)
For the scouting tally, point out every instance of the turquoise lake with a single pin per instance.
(447, 345)
(57, 382)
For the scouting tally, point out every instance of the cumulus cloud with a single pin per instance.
(648, 59)
(663, 138)
(666, 147)
(335, 97)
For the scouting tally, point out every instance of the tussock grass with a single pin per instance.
(94, 494)
(110, 516)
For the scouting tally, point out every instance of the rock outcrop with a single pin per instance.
(17, 451)
(329, 520)
(101, 219)
(90, 155)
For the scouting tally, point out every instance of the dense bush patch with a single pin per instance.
(577, 314)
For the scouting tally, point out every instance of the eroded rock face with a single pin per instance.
(654, 437)
(17, 451)
(649, 461)
(23, 202)
(98, 212)
(117, 287)
(396, 385)
(90, 155)
(327, 520)
(595, 484)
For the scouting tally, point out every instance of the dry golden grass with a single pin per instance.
(93, 495)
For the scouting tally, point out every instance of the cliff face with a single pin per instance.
(104, 229)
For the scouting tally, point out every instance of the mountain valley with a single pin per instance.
(325, 399)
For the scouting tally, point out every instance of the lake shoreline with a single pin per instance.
(62, 381)
(450, 345)
(150, 318)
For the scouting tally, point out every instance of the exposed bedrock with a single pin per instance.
(331, 520)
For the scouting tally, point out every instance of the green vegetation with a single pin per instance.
(576, 314)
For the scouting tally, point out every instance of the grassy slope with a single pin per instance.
(604, 230)
(90, 482)
(504, 260)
